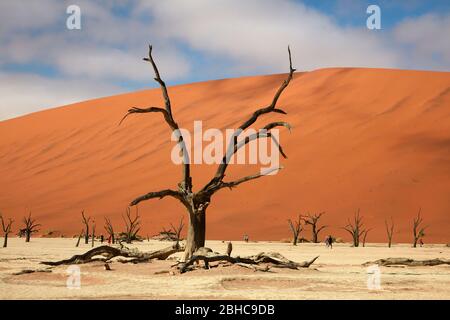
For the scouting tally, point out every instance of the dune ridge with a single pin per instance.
(374, 139)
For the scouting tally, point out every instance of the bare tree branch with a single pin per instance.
(186, 185)
(30, 227)
(148, 110)
(389, 231)
(264, 133)
(355, 228)
(296, 228)
(7, 229)
(157, 194)
(86, 223)
(160, 81)
(177, 230)
(220, 173)
(418, 231)
(109, 229)
(232, 184)
(313, 220)
(132, 226)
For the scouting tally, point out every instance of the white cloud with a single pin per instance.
(107, 46)
(242, 37)
(111, 63)
(427, 40)
(256, 33)
(17, 15)
(25, 93)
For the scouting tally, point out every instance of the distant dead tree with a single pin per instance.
(79, 238)
(86, 226)
(177, 230)
(296, 228)
(418, 230)
(30, 227)
(365, 232)
(389, 231)
(166, 235)
(93, 234)
(6, 227)
(109, 229)
(313, 220)
(132, 226)
(196, 202)
(355, 228)
(229, 248)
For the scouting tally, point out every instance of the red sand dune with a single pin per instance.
(373, 139)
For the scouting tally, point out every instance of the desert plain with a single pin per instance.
(338, 273)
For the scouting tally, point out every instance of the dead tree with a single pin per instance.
(166, 235)
(30, 227)
(270, 259)
(197, 202)
(177, 230)
(109, 229)
(389, 231)
(93, 234)
(313, 220)
(6, 227)
(408, 262)
(229, 248)
(79, 238)
(132, 226)
(355, 228)
(86, 226)
(296, 228)
(418, 230)
(109, 252)
(365, 232)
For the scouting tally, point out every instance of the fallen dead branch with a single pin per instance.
(255, 268)
(408, 262)
(109, 252)
(269, 259)
(27, 271)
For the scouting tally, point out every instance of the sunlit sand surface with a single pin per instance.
(337, 274)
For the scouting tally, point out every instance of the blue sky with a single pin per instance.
(201, 40)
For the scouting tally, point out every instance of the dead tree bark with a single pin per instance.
(408, 262)
(272, 259)
(93, 234)
(79, 238)
(86, 227)
(418, 230)
(6, 227)
(365, 232)
(196, 203)
(389, 231)
(313, 220)
(229, 248)
(30, 227)
(109, 229)
(355, 228)
(132, 226)
(109, 252)
(296, 228)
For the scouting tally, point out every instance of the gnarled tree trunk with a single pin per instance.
(196, 232)
(5, 241)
